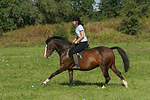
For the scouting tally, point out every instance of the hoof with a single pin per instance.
(125, 83)
(103, 86)
(43, 84)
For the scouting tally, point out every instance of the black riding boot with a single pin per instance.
(76, 61)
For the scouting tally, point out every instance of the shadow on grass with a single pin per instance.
(81, 83)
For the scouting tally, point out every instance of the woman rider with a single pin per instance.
(81, 38)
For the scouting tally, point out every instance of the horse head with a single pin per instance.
(49, 48)
(56, 43)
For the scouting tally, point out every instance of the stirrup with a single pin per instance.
(76, 67)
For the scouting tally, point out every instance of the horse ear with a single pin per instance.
(47, 40)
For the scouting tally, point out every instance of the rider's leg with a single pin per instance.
(77, 49)
(76, 61)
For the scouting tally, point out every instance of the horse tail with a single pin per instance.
(124, 57)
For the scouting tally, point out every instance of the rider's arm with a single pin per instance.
(75, 39)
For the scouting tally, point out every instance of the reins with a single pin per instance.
(61, 50)
(58, 50)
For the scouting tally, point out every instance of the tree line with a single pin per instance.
(19, 13)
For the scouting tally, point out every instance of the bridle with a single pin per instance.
(47, 47)
(56, 50)
(62, 49)
(50, 46)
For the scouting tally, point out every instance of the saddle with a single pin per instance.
(79, 54)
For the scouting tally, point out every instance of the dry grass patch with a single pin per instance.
(97, 32)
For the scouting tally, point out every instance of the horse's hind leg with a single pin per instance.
(118, 73)
(107, 77)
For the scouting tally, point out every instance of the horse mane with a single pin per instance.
(60, 39)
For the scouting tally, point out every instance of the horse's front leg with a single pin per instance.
(70, 77)
(52, 75)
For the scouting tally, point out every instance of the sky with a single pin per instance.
(97, 1)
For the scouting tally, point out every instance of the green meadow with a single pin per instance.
(23, 69)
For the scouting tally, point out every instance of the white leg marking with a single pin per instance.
(46, 81)
(45, 50)
(103, 86)
(125, 83)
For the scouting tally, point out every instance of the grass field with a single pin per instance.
(23, 69)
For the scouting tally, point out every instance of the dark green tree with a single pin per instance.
(110, 8)
(60, 31)
(18, 13)
(5, 24)
(25, 13)
(130, 23)
(82, 8)
(55, 11)
(144, 7)
(142, 1)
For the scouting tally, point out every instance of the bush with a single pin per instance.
(60, 31)
(130, 24)
(72, 30)
(1, 33)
